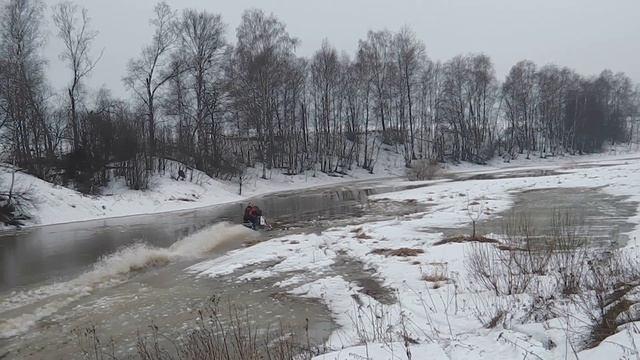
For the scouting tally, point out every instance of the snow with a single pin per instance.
(443, 319)
(395, 350)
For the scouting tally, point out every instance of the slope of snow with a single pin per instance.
(389, 164)
(53, 204)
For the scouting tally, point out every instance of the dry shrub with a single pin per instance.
(570, 255)
(491, 312)
(531, 252)
(434, 277)
(423, 169)
(510, 267)
(214, 336)
(496, 270)
(373, 323)
(596, 282)
(436, 274)
(607, 280)
(496, 319)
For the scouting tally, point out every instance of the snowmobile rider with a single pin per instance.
(252, 215)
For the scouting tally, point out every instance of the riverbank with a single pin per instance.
(51, 204)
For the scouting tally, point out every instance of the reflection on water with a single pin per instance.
(603, 218)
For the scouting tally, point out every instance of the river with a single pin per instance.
(122, 274)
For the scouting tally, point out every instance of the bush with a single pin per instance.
(423, 170)
(135, 172)
(13, 202)
(500, 271)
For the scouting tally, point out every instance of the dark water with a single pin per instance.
(592, 213)
(171, 299)
(57, 252)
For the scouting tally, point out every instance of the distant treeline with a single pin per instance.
(222, 107)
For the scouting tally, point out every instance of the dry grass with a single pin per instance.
(496, 319)
(215, 335)
(437, 275)
(434, 277)
(465, 239)
(608, 325)
(401, 252)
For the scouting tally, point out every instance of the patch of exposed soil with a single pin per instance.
(402, 252)
(465, 239)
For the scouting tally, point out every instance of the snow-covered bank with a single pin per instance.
(53, 204)
(439, 311)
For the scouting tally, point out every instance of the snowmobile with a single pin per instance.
(261, 224)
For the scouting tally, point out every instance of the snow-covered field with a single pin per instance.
(440, 312)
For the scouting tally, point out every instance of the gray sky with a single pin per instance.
(587, 35)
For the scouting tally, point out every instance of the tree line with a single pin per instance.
(222, 107)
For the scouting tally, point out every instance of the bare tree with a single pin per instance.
(410, 57)
(325, 70)
(153, 69)
(72, 23)
(263, 50)
(467, 105)
(377, 52)
(430, 130)
(520, 97)
(202, 44)
(23, 89)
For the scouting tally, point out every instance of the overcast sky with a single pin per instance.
(587, 35)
